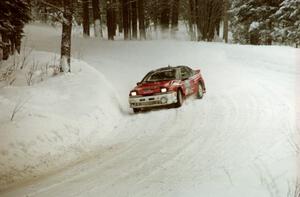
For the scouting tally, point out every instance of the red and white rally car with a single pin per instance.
(166, 86)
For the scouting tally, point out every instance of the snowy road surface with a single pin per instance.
(237, 141)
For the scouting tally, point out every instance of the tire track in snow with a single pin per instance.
(102, 166)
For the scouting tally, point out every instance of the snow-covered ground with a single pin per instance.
(55, 121)
(240, 140)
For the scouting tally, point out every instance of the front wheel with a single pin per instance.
(136, 110)
(179, 99)
(200, 92)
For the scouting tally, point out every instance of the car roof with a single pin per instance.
(168, 68)
(176, 68)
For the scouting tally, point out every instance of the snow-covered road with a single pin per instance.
(237, 141)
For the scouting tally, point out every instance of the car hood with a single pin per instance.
(151, 87)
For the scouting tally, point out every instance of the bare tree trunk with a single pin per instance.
(130, 18)
(6, 48)
(34, 9)
(97, 19)
(110, 20)
(1, 48)
(125, 19)
(200, 23)
(85, 17)
(18, 44)
(45, 15)
(218, 29)
(225, 21)
(113, 17)
(165, 16)
(12, 39)
(156, 17)
(192, 19)
(119, 17)
(269, 26)
(175, 15)
(141, 19)
(65, 59)
(134, 19)
(254, 38)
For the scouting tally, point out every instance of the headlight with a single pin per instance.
(133, 93)
(163, 90)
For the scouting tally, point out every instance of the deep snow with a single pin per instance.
(59, 120)
(240, 140)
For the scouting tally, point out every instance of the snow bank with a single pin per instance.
(57, 121)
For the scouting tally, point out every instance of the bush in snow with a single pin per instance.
(25, 69)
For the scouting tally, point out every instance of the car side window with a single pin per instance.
(185, 73)
(191, 71)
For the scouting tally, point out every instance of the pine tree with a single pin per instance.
(13, 16)
(252, 21)
(288, 23)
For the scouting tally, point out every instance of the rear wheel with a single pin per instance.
(136, 110)
(179, 99)
(200, 91)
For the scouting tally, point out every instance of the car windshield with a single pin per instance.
(160, 76)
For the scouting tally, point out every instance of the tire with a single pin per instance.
(179, 99)
(136, 110)
(200, 92)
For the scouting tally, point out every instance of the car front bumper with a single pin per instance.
(162, 99)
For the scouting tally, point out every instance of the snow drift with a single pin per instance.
(57, 120)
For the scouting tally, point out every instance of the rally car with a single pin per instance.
(167, 86)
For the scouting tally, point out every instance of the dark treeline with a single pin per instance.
(13, 16)
(133, 18)
(249, 22)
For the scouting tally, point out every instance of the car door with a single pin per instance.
(194, 80)
(186, 77)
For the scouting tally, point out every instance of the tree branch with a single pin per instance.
(53, 6)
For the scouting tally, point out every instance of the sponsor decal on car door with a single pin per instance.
(187, 84)
(194, 83)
